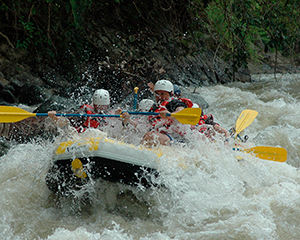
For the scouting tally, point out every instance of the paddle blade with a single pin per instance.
(276, 154)
(245, 119)
(10, 114)
(189, 116)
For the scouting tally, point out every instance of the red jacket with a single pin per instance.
(91, 122)
(205, 120)
(163, 125)
(187, 102)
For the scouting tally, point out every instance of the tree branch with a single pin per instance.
(7, 39)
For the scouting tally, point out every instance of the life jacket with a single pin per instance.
(163, 125)
(205, 120)
(155, 120)
(187, 102)
(91, 122)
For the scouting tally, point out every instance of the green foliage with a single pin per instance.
(237, 30)
(78, 10)
(239, 25)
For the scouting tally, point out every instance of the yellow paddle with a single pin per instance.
(135, 98)
(276, 154)
(245, 119)
(8, 114)
(14, 114)
(189, 116)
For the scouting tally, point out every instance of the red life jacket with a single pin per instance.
(91, 122)
(165, 125)
(202, 122)
(155, 119)
(207, 120)
(204, 119)
(187, 102)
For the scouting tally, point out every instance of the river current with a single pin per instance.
(213, 196)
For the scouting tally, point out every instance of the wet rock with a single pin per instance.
(59, 104)
(7, 96)
(31, 94)
(27, 78)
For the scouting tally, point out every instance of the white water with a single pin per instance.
(211, 196)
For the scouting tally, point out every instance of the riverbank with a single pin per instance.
(269, 64)
(47, 86)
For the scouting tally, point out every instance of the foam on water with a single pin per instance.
(208, 194)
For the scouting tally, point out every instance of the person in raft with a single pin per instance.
(143, 106)
(209, 127)
(163, 129)
(100, 105)
(206, 124)
(177, 94)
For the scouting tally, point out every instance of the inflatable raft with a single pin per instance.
(75, 162)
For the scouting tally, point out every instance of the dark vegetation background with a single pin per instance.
(68, 47)
(55, 53)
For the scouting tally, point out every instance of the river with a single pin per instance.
(213, 196)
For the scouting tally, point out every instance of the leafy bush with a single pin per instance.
(58, 31)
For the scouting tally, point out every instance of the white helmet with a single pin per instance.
(164, 85)
(145, 105)
(101, 97)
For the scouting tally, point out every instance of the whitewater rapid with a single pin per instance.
(208, 194)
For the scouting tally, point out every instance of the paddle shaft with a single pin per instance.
(78, 115)
(135, 98)
(96, 115)
(14, 114)
(87, 115)
(100, 115)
